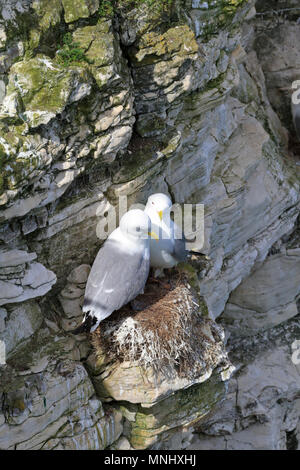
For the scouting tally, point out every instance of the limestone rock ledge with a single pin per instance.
(179, 101)
(55, 408)
(22, 278)
(269, 295)
(261, 410)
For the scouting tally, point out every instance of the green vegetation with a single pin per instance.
(3, 182)
(219, 15)
(70, 52)
(108, 7)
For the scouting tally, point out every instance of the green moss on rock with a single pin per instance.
(45, 88)
(49, 13)
(182, 408)
(47, 16)
(75, 9)
(102, 51)
(179, 40)
(71, 52)
(16, 164)
(97, 42)
(218, 15)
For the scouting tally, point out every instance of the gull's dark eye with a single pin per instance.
(152, 203)
(138, 229)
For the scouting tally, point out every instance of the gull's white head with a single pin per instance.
(158, 205)
(136, 224)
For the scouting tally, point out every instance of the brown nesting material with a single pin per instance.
(165, 328)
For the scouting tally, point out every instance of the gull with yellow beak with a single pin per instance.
(120, 270)
(168, 250)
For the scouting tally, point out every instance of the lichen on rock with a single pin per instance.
(151, 96)
(79, 9)
(44, 89)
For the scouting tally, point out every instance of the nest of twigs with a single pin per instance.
(165, 328)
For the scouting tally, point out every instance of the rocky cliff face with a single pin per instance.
(101, 99)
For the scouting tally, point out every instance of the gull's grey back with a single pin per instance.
(115, 279)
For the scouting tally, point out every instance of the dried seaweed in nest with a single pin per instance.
(165, 330)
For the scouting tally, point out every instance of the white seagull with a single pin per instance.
(120, 270)
(169, 249)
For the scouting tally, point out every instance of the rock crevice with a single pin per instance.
(184, 98)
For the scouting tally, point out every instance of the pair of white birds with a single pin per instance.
(121, 267)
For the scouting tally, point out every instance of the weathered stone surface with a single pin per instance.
(20, 324)
(166, 99)
(42, 412)
(3, 315)
(22, 278)
(152, 391)
(131, 383)
(188, 406)
(88, 428)
(79, 275)
(12, 258)
(121, 444)
(79, 9)
(72, 296)
(43, 89)
(267, 297)
(280, 63)
(261, 411)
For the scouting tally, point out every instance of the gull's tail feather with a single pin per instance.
(87, 325)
